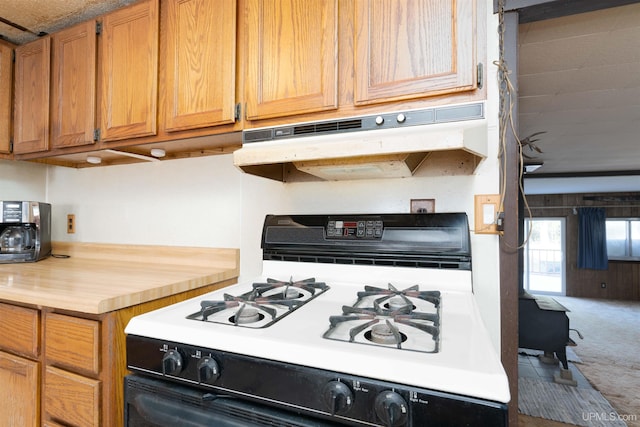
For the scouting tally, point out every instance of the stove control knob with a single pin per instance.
(208, 370)
(391, 408)
(338, 397)
(172, 362)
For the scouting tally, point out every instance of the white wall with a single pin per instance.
(191, 202)
(23, 181)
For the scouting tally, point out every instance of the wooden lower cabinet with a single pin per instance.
(75, 377)
(19, 391)
(71, 398)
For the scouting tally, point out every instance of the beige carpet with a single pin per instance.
(610, 350)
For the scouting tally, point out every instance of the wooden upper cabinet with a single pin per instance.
(31, 112)
(6, 81)
(413, 48)
(291, 57)
(73, 86)
(200, 63)
(128, 78)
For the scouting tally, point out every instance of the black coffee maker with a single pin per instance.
(25, 231)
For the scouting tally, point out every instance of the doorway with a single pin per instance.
(544, 255)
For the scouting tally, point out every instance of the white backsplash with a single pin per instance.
(23, 181)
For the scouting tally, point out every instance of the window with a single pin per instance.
(623, 239)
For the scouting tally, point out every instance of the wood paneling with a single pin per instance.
(622, 278)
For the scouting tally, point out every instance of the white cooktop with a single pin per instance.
(466, 362)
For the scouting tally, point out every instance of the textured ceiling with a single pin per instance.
(579, 82)
(48, 16)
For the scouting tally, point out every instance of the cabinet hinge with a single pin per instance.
(96, 134)
(238, 113)
(98, 27)
(480, 75)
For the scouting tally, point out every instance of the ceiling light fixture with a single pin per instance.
(94, 160)
(531, 167)
(158, 152)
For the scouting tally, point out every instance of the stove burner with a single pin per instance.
(271, 301)
(389, 317)
(246, 315)
(399, 303)
(411, 292)
(385, 334)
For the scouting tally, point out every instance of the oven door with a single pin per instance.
(155, 403)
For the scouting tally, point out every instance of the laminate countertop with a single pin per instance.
(98, 278)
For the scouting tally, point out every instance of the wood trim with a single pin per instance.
(509, 259)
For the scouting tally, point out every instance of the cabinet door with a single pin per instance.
(6, 80)
(71, 399)
(200, 61)
(31, 115)
(129, 72)
(291, 57)
(413, 48)
(73, 86)
(19, 392)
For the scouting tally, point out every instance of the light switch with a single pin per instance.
(487, 210)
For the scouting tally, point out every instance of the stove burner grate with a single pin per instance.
(389, 319)
(271, 300)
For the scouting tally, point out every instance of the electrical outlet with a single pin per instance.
(71, 224)
(423, 205)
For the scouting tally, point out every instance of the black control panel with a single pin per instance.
(354, 229)
(431, 240)
(346, 399)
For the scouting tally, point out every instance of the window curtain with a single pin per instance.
(592, 239)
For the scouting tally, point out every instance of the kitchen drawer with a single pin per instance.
(19, 331)
(72, 343)
(71, 399)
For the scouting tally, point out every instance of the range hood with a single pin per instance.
(391, 145)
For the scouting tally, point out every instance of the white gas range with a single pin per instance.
(356, 320)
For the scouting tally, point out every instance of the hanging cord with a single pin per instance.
(507, 93)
